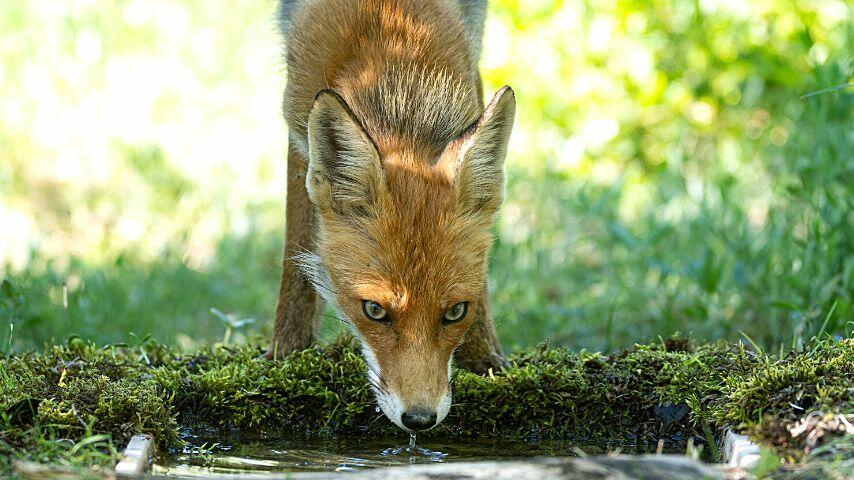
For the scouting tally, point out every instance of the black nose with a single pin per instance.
(418, 419)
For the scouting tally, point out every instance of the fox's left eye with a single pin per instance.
(374, 311)
(456, 313)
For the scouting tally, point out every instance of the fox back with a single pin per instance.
(405, 171)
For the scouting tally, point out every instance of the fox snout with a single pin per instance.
(422, 416)
(418, 419)
(416, 397)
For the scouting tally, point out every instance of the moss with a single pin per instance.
(819, 379)
(50, 401)
(674, 391)
(315, 391)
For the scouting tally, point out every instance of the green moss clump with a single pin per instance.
(317, 391)
(674, 391)
(50, 401)
(786, 389)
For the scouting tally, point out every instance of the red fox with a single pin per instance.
(395, 174)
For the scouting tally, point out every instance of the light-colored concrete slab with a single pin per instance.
(135, 458)
(739, 451)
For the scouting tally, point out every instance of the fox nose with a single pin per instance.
(418, 419)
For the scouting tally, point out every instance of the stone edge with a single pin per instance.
(135, 457)
(739, 451)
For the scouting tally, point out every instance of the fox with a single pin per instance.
(395, 174)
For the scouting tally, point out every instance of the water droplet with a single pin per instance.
(392, 451)
(377, 409)
(412, 440)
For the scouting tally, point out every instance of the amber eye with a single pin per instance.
(374, 311)
(456, 313)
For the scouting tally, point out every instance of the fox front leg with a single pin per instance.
(481, 350)
(296, 311)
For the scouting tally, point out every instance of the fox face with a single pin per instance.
(402, 243)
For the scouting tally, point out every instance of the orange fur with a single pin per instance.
(403, 179)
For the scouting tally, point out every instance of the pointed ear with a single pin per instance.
(478, 156)
(344, 170)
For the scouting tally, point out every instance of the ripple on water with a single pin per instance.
(414, 452)
(209, 453)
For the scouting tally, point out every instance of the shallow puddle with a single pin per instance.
(209, 454)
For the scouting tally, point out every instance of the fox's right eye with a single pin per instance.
(374, 311)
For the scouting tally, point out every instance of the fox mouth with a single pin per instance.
(415, 420)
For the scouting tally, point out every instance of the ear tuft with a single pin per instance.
(344, 170)
(479, 156)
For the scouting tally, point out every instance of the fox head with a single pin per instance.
(402, 246)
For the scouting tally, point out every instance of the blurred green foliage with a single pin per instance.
(669, 170)
(727, 205)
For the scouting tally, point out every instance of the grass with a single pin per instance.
(96, 398)
(130, 298)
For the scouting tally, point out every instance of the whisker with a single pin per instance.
(324, 287)
(377, 373)
(312, 268)
(383, 387)
(372, 423)
(379, 388)
(343, 320)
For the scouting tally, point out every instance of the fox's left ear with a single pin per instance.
(477, 156)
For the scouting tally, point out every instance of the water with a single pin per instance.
(214, 454)
(415, 453)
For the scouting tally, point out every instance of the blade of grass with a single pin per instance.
(753, 344)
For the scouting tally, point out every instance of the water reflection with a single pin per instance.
(207, 454)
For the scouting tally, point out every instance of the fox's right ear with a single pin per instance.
(345, 175)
